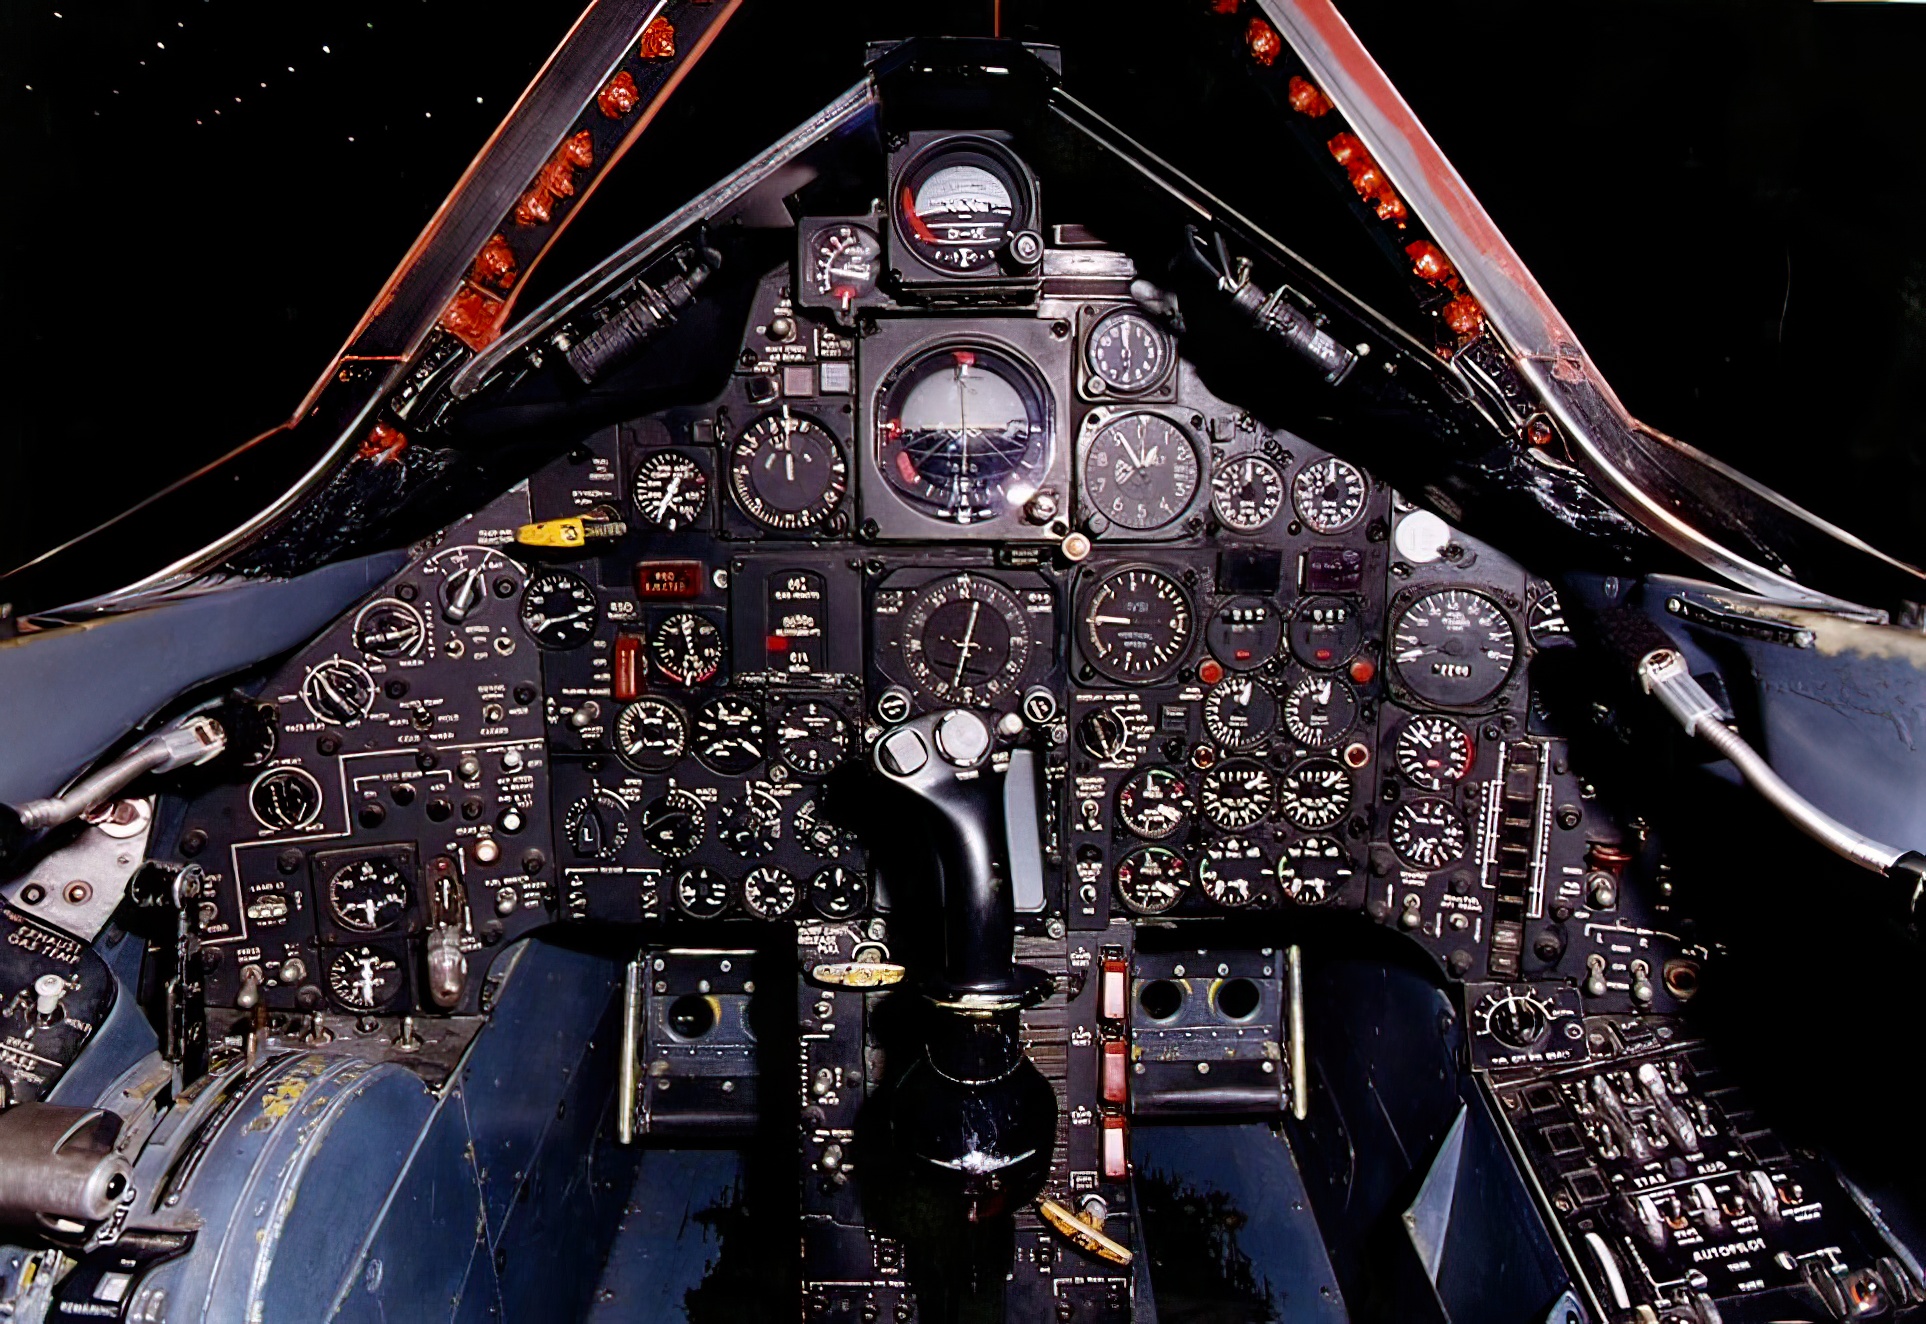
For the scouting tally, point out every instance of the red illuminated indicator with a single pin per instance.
(1210, 670)
(1116, 1071)
(1361, 670)
(626, 682)
(673, 581)
(776, 643)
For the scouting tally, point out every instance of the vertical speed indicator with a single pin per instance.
(1136, 625)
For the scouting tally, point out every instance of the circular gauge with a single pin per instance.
(1244, 633)
(1453, 647)
(729, 734)
(1316, 794)
(468, 576)
(1136, 625)
(1237, 794)
(1545, 621)
(338, 691)
(559, 609)
(842, 262)
(1329, 494)
(1110, 735)
(368, 896)
(812, 738)
(1428, 833)
(283, 799)
(752, 824)
(669, 490)
(816, 834)
(1313, 869)
(1240, 712)
(687, 648)
(1325, 632)
(966, 640)
(1433, 751)
(650, 735)
(674, 824)
(770, 893)
(1319, 710)
(964, 432)
(1152, 879)
(838, 893)
(1155, 803)
(1233, 871)
(389, 628)
(364, 978)
(958, 205)
(1140, 471)
(1126, 352)
(1246, 493)
(597, 825)
(787, 472)
(702, 893)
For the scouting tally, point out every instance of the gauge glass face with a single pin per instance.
(1319, 710)
(1233, 871)
(1329, 494)
(752, 823)
(674, 824)
(364, 978)
(368, 896)
(1316, 794)
(1453, 647)
(966, 640)
(389, 628)
(812, 738)
(957, 208)
(338, 691)
(1126, 353)
(770, 893)
(838, 893)
(1237, 794)
(1427, 833)
(964, 433)
(729, 735)
(285, 798)
(1244, 633)
(787, 472)
(1239, 713)
(1140, 472)
(1246, 493)
(1434, 751)
(842, 262)
(669, 490)
(702, 893)
(596, 826)
(1152, 879)
(559, 609)
(1137, 625)
(1325, 631)
(687, 648)
(1313, 869)
(1155, 803)
(650, 735)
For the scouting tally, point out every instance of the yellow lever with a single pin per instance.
(573, 531)
(1082, 1234)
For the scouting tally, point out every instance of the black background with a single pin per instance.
(1723, 196)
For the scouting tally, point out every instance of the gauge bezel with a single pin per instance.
(923, 154)
(1501, 695)
(292, 771)
(1092, 654)
(577, 584)
(1283, 491)
(618, 747)
(1104, 525)
(1297, 503)
(1091, 381)
(672, 454)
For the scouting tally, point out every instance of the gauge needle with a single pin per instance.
(668, 495)
(1110, 620)
(968, 644)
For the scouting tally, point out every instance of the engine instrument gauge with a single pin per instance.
(1325, 631)
(964, 432)
(1233, 871)
(1126, 352)
(1315, 794)
(838, 893)
(338, 691)
(1152, 879)
(364, 978)
(1545, 621)
(650, 735)
(752, 824)
(1140, 471)
(597, 825)
(966, 640)
(1319, 710)
(559, 609)
(702, 893)
(729, 735)
(673, 825)
(1329, 494)
(669, 490)
(1453, 647)
(1240, 712)
(1237, 794)
(958, 205)
(368, 895)
(1154, 803)
(1433, 751)
(1427, 833)
(770, 893)
(283, 799)
(787, 472)
(1313, 869)
(1136, 625)
(842, 262)
(1244, 633)
(687, 648)
(812, 737)
(389, 628)
(1246, 493)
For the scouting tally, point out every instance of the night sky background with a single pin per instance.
(1725, 197)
